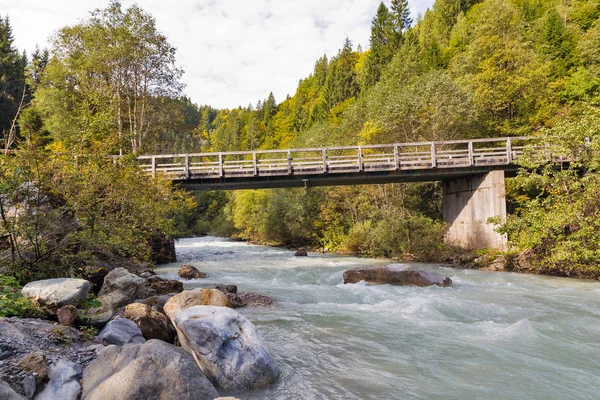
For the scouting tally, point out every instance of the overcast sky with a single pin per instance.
(233, 52)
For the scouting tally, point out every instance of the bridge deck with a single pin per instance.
(422, 161)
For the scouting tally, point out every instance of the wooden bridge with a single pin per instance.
(401, 162)
(472, 172)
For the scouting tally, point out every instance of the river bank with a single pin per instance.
(455, 257)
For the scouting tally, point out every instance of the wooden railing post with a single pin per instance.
(254, 166)
(154, 167)
(433, 156)
(396, 160)
(187, 167)
(508, 151)
(289, 160)
(471, 160)
(360, 163)
(324, 161)
(221, 172)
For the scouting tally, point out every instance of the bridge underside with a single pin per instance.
(339, 179)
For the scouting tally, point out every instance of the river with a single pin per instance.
(491, 335)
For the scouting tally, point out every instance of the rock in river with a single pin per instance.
(395, 274)
(227, 347)
(58, 292)
(152, 371)
(190, 272)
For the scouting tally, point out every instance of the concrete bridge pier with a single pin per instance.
(468, 203)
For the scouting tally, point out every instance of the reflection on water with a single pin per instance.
(489, 336)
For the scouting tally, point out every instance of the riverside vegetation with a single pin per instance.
(110, 85)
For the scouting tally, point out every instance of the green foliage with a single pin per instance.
(12, 304)
(557, 224)
(90, 302)
(88, 332)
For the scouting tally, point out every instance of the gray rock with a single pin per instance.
(29, 386)
(151, 371)
(227, 347)
(121, 331)
(58, 292)
(63, 383)
(395, 274)
(7, 393)
(120, 288)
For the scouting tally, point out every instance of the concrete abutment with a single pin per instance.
(468, 204)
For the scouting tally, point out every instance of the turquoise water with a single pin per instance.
(490, 335)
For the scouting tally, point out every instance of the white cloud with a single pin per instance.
(233, 52)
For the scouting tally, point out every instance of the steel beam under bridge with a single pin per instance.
(340, 179)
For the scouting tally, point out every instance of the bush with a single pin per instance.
(12, 304)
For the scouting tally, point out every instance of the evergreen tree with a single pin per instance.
(400, 16)
(13, 89)
(383, 40)
(269, 108)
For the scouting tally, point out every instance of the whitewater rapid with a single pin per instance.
(491, 335)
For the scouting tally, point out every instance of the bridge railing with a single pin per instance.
(331, 160)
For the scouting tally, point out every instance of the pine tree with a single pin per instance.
(12, 81)
(383, 41)
(400, 16)
(270, 108)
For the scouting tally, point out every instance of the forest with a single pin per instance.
(465, 69)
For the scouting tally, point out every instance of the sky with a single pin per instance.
(233, 52)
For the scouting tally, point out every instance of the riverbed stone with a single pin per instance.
(227, 346)
(63, 383)
(156, 286)
(35, 363)
(121, 331)
(120, 288)
(154, 325)
(196, 297)
(190, 272)
(7, 393)
(395, 274)
(154, 370)
(67, 315)
(157, 302)
(57, 292)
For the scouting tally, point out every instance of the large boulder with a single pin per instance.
(121, 331)
(151, 371)
(154, 325)
(120, 288)
(63, 383)
(57, 292)
(395, 274)
(190, 272)
(196, 297)
(156, 286)
(227, 347)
